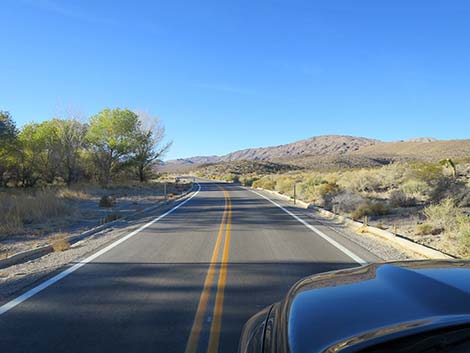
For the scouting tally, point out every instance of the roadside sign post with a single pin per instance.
(295, 194)
(164, 189)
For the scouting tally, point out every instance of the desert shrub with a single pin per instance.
(443, 215)
(369, 208)
(234, 178)
(463, 199)
(447, 187)
(318, 190)
(391, 176)
(427, 172)
(285, 185)
(306, 189)
(106, 201)
(363, 180)
(60, 244)
(266, 182)
(346, 202)
(326, 193)
(248, 180)
(464, 233)
(328, 189)
(415, 188)
(425, 229)
(399, 199)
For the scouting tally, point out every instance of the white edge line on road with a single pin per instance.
(25, 296)
(316, 230)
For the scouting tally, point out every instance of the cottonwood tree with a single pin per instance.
(8, 136)
(28, 156)
(150, 146)
(112, 140)
(71, 143)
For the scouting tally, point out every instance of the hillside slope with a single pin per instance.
(319, 145)
(430, 150)
(335, 151)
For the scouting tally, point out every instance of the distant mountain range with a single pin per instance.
(313, 146)
(336, 151)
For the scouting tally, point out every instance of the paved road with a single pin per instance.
(185, 283)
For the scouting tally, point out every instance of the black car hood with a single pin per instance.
(336, 310)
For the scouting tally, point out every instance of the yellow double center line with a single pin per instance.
(198, 323)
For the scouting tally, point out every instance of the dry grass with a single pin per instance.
(60, 243)
(32, 209)
(21, 208)
(74, 193)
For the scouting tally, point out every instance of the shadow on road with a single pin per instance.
(143, 307)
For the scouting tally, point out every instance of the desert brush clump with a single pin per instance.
(346, 201)
(266, 182)
(443, 215)
(248, 180)
(231, 177)
(369, 208)
(399, 198)
(452, 221)
(464, 234)
(60, 243)
(107, 201)
(426, 229)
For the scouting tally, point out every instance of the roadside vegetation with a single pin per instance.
(115, 144)
(65, 174)
(426, 201)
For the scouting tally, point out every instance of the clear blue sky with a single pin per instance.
(225, 75)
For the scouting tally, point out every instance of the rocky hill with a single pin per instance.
(319, 145)
(335, 151)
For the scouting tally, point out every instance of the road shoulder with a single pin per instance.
(366, 246)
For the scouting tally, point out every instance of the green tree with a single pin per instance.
(149, 146)
(28, 156)
(70, 134)
(112, 140)
(47, 140)
(8, 142)
(8, 129)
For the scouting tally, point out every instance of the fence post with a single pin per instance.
(295, 193)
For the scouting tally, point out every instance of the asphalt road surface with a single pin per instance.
(184, 283)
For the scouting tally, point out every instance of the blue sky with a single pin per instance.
(225, 75)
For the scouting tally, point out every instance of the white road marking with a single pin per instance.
(316, 230)
(14, 302)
